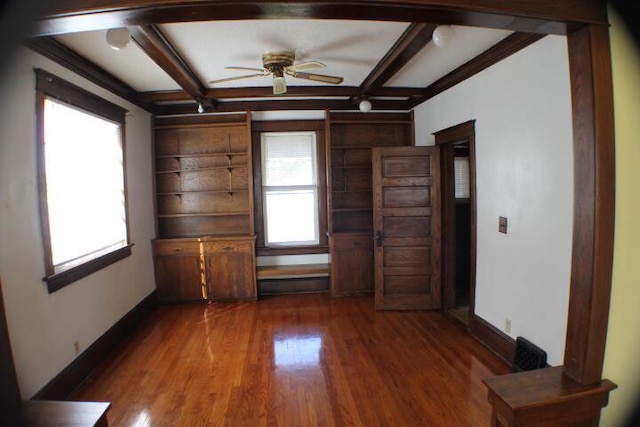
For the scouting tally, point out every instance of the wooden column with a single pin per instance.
(594, 197)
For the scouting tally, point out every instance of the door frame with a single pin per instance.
(445, 140)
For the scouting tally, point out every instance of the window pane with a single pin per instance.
(292, 217)
(461, 170)
(85, 182)
(289, 159)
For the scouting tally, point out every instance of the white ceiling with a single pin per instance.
(350, 49)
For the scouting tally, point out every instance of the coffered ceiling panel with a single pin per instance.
(130, 64)
(349, 49)
(432, 62)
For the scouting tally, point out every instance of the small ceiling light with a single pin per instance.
(200, 108)
(442, 35)
(365, 105)
(118, 38)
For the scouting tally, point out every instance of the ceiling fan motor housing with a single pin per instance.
(276, 62)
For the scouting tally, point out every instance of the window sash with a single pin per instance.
(267, 190)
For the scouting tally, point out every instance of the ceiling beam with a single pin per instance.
(58, 52)
(548, 17)
(159, 49)
(503, 49)
(412, 41)
(275, 105)
(267, 92)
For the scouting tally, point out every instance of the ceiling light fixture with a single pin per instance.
(365, 105)
(200, 108)
(442, 35)
(118, 38)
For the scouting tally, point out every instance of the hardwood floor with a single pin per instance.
(299, 360)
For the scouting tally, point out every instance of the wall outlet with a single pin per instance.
(76, 347)
(507, 325)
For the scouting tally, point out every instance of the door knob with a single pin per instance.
(379, 237)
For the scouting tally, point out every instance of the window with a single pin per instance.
(290, 188)
(82, 181)
(461, 172)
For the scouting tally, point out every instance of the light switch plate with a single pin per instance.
(502, 225)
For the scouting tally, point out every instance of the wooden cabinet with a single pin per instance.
(350, 138)
(204, 202)
(351, 263)
(215, 268)
(231, 269)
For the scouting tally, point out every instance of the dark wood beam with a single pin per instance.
(267, 92)
(159, 49)
(275, 105)
(412, 41)
(505, 48)
(542, 16)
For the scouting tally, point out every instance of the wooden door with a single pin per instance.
(406, 203)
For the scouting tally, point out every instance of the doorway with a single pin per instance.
(457, 151)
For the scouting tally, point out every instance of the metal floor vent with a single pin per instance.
(528, 356)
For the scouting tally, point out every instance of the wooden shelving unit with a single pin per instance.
(350, 138)
(204, 208)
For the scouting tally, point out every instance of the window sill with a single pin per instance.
(59, 280)
(293, 250)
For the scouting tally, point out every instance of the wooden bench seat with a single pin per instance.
(291, 271)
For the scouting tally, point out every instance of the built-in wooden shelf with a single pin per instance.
(291, 271)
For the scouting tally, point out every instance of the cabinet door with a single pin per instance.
(178, 269)
(230, 270)
(351, 264)
(179, 278)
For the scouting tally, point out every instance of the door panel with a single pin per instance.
(407, 228)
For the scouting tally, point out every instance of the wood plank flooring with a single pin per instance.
(298, 360)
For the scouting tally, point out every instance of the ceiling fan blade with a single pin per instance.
(318, 78)
(228, 79)
(303, 66)
(246, 69)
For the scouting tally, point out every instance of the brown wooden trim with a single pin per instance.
(594, 203)
(306, 285)
(505, 48)
(456, 133)
(59, 280)
(57, 52)
(267, 272)
(159, 49)
(267, 92)
(61, 387)
(55, 87)
(287, 126)
(279, 104)
(201, 119)
(496, 340)
(10, 400)
(414, 38)
(525, 15)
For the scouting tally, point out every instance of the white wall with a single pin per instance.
(524, 172)
(43, 326)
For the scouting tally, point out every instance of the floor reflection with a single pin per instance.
(142, 420)
(298, 351)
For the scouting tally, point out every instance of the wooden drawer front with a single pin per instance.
(222, 246)
(188, 248)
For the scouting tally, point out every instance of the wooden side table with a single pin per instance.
(69, 414)
(545, 397)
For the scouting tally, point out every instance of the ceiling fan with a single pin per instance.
(280, 63)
